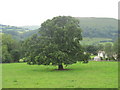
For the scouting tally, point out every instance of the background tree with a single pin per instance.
(116, 49)
(0, 48)
(10, 49)
(108, 48)
(118, 55)
(100, 47)
(92, 49)
(58, 43)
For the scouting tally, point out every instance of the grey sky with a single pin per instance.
(34, 12)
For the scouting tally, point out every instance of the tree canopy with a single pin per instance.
(10, 49)
(58, 43)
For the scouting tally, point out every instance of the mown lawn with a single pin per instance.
(91, 75)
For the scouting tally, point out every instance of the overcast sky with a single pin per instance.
(34, 12)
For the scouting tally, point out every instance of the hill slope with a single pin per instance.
(91, 28)
(18, 33)
(95, 27)
(99, 27)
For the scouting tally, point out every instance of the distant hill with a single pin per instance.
(99, 27)
(95, 27)
(91, 28)
(33, 27)
(18, 33)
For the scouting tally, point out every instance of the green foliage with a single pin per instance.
(16, 54)
(108, 49)
(93, 49)
(10, 49)
(116, 49)
(22, 60)
(58, 43)
(6, 56)
(86, 57)
(100, 47)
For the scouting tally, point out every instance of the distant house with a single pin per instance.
(115, 56)
(97, 58)
(101, 55)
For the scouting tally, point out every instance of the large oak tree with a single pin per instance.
(58, 43)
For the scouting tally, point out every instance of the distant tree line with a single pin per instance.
(11, 49)
(111, 49)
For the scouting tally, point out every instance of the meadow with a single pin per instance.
(94, 74)
(91, 41)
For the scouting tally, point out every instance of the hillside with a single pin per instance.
(32, 27)
(95, 27)
(18, 33)
(104, 28)
(99, 27)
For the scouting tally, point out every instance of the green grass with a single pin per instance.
(92, 56)
(0, 76)
(90, 41)
(91, 75)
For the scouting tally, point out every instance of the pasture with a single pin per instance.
(90, 41)
(92, 75)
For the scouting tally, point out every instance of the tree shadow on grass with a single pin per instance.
(54, 69)
(49, 70)
(61, 69)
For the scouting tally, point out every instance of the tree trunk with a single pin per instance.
(60, 67)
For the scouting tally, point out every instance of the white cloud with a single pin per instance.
(34, 12)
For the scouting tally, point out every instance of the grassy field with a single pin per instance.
(89, 41)
(0, 76)
(91, 75)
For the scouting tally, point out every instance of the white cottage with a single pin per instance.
(97, 58)
(100, 54)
